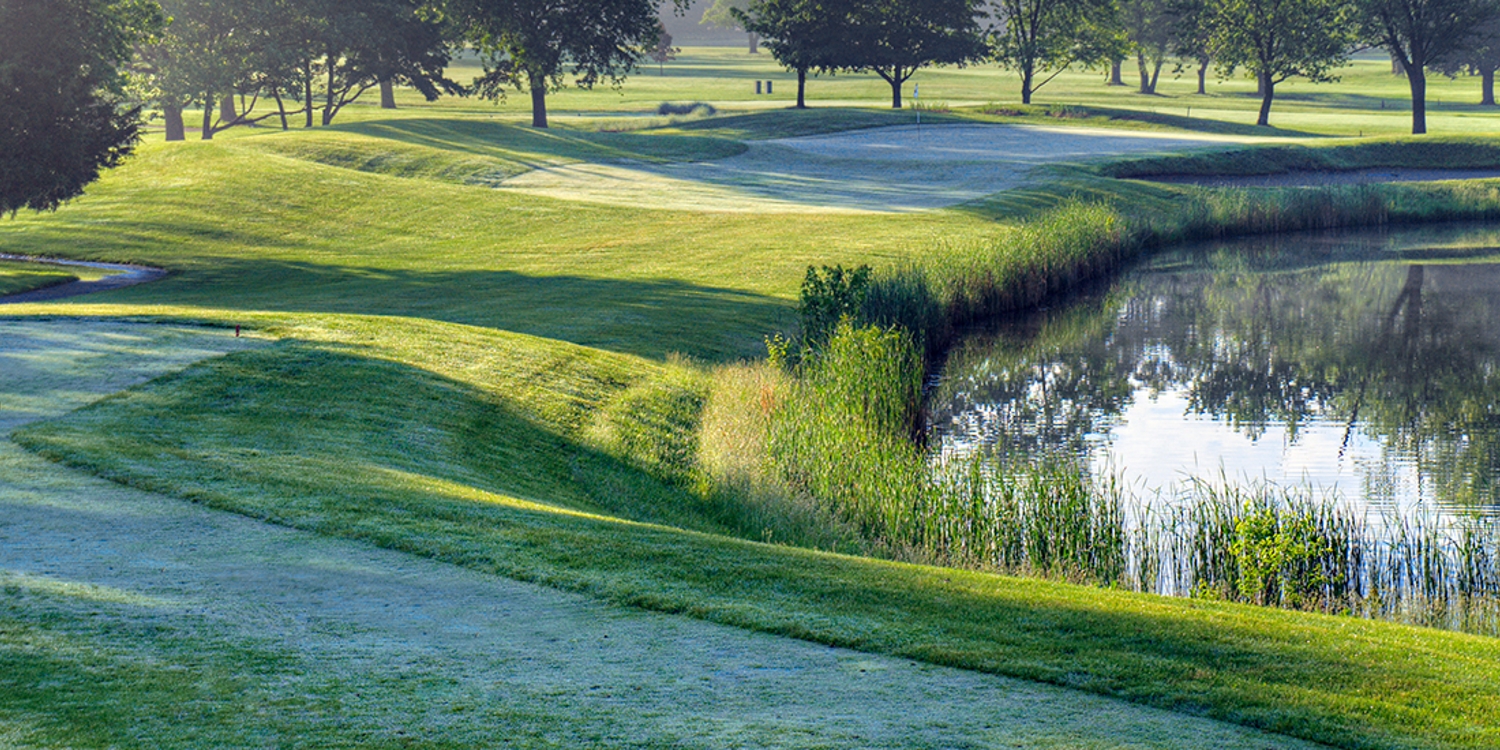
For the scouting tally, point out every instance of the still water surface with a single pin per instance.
(1365, 364)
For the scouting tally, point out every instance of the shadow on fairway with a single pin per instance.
(646, 317)
(330, 438)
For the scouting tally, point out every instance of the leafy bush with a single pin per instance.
(701, 109)
(829, 296)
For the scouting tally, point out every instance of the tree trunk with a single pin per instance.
(1156, 74)
(280, 106)
(176, 130)
(1140, 66)
(1026, 86)
(308, 100)
(1487, 84)
(328, 100)
(1268, 92)
(226, 111)
(208, 118)
(896, 82)
(802, 88)
(1203, 76)
(538, 101)
(1417, 77)
(754, 43)
(387, 94)
(1115, 74)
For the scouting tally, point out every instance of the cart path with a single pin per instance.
(374, 617)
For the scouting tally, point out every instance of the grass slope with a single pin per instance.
(526, 458)
(16, 276)
(487, 379)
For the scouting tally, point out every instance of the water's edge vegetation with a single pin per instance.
(835, 408)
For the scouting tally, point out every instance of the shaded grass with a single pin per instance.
(1426, 153)
(17, 276)
(247, 232)
(396, 455)
(449, 448)
(482, 153)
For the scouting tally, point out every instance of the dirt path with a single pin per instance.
(881, 170)
(126, 275)
(395, 642)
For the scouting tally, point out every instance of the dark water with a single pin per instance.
(1361, 364)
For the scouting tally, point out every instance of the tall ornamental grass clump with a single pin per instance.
(843, 434)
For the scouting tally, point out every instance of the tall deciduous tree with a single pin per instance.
(724, 14)
(534, 45)
(896, 38)
(63, 118)
(803, 35)
(1420, 34)
(1039, 39)
(1151, 27)
(1480, 56)
(204, 56)
(366, 42)
(1192, 35)
(1281, 39)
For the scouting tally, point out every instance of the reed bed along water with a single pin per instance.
(840, 433)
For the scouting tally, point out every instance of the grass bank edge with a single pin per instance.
(1349, 682)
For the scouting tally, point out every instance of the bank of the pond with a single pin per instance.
(838, 431)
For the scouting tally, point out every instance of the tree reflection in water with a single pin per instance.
(1368, 358)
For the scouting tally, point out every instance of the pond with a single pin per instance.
(1363, 366)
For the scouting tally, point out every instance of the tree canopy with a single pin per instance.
(63, 117)
(801, 34)
(728, 14)
(535, 45)
(1039, 39)
(1420, 34)
(1281, 39)
(896, 38)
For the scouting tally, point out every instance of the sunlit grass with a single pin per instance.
(16, 276)
(495, 380)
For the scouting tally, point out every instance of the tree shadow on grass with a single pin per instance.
(333, 437)
(646, 317)
(549, 146)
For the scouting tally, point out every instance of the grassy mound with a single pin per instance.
(482, 153)
(554, 463)
(489, 379)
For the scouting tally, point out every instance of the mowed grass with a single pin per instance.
(492, 380)
(244, 230)
(18, 276)
(1366, 100)
(546, 462)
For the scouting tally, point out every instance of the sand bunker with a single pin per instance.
(898, 169)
